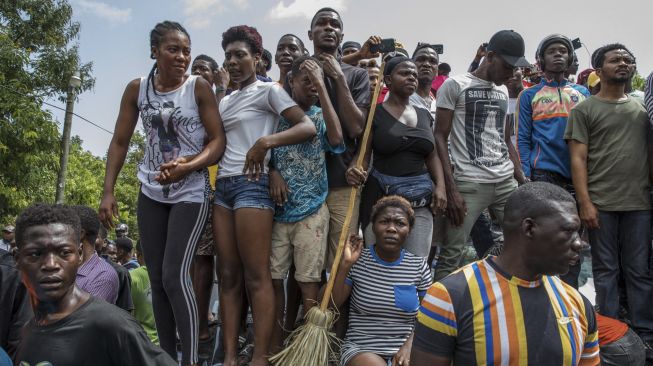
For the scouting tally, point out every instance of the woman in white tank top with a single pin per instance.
(184, 135)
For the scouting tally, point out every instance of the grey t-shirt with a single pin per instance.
(617, 158)
(478, 150)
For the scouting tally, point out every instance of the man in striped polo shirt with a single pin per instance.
(513, 309)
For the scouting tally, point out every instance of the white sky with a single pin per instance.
(114, 34)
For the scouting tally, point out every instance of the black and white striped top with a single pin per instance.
(384, 300)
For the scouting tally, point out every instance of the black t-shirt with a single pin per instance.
(15, 310)
(397, 150)
(124, 299)
(96, 334)
(358, 83)
(400, 150)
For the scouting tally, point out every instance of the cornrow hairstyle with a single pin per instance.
(156, 36)
(330, 10)
(246, 34)
(299, 40)
(598, 56)
(209, 59)
(393, 201)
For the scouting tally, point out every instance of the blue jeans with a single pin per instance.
(624, 236)
(627, 350)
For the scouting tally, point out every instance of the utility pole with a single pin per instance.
(74, 82)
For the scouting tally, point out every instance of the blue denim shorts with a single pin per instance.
(237, 192)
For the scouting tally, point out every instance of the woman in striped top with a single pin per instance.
(385, 284)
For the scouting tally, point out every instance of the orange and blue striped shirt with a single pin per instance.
(481, 316)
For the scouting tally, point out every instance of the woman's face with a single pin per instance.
(391, 227)
(240, 61)
(173, 54)
(403, 79)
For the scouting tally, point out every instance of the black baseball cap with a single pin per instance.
(510, 46)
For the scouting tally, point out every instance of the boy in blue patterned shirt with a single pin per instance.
(299, 187)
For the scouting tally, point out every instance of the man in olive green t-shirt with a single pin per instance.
(607, 141)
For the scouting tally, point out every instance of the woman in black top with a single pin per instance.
(405, 160)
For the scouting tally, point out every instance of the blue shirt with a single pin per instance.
(303, 168)
(540, 122)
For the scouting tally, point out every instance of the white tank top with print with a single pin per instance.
(173, 129)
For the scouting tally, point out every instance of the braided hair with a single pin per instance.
(156, 36)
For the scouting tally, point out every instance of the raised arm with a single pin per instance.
(333, 129)
(353, 117)
(341, 286)
(125, 124)
(363, 53)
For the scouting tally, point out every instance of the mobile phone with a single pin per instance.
(386, 45)
(577, 43)
(439, 48)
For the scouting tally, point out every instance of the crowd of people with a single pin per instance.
(557, 164)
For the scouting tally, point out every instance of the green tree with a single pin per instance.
(38, 54)
(638, 82)
(127, 184)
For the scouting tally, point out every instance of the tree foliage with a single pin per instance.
(38, 54)
(127, 184)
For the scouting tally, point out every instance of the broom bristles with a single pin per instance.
(311, 344)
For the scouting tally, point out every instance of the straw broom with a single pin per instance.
(312, 343)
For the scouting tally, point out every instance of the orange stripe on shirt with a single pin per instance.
(496, 344)
(552, 115)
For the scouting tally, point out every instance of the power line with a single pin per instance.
(80, 117)
(62, 109)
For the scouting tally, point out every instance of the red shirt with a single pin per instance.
(610, 330)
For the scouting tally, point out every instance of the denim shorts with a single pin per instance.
(237, 192)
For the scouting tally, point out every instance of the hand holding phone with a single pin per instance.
(386, 45)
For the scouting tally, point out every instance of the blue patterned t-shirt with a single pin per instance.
(303, 167)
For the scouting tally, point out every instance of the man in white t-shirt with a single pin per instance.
(471, 112)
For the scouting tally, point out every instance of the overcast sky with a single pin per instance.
(114, 34)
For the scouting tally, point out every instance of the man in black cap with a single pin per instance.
(472, 109)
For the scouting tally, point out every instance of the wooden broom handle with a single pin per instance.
(326, 298)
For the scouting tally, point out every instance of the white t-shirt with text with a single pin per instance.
(478, 149)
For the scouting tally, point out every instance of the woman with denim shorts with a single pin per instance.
(183, 136)
(243, 211)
